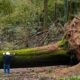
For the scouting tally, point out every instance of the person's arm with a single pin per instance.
(3, 53)
(12, 54)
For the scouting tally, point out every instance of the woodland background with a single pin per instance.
(32, 23)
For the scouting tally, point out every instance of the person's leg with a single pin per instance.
(4, 68)
(8, 68)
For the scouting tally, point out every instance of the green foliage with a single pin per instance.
(63, 43)
(71, 78)
(6, 7)
(23, 19)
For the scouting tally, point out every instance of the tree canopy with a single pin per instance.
(23, 23)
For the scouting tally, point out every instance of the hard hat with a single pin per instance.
(7, 53)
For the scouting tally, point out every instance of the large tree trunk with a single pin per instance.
(39, 56)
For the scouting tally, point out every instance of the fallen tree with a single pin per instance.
(54, 52)
(51, 54)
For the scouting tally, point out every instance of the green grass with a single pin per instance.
(71, 78)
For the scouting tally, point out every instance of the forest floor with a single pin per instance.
(42, 73)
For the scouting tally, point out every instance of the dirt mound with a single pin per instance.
(70, 71)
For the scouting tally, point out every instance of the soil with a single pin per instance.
(42, 73)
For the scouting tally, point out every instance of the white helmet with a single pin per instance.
(7, 53)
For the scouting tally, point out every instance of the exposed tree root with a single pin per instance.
(73, 35)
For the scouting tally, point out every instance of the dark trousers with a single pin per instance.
(6, 68)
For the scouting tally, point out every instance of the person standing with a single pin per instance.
(6, 61)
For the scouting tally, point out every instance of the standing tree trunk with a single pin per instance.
(65, 10)
(55, 11)
(45, 26)
(45, 15)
